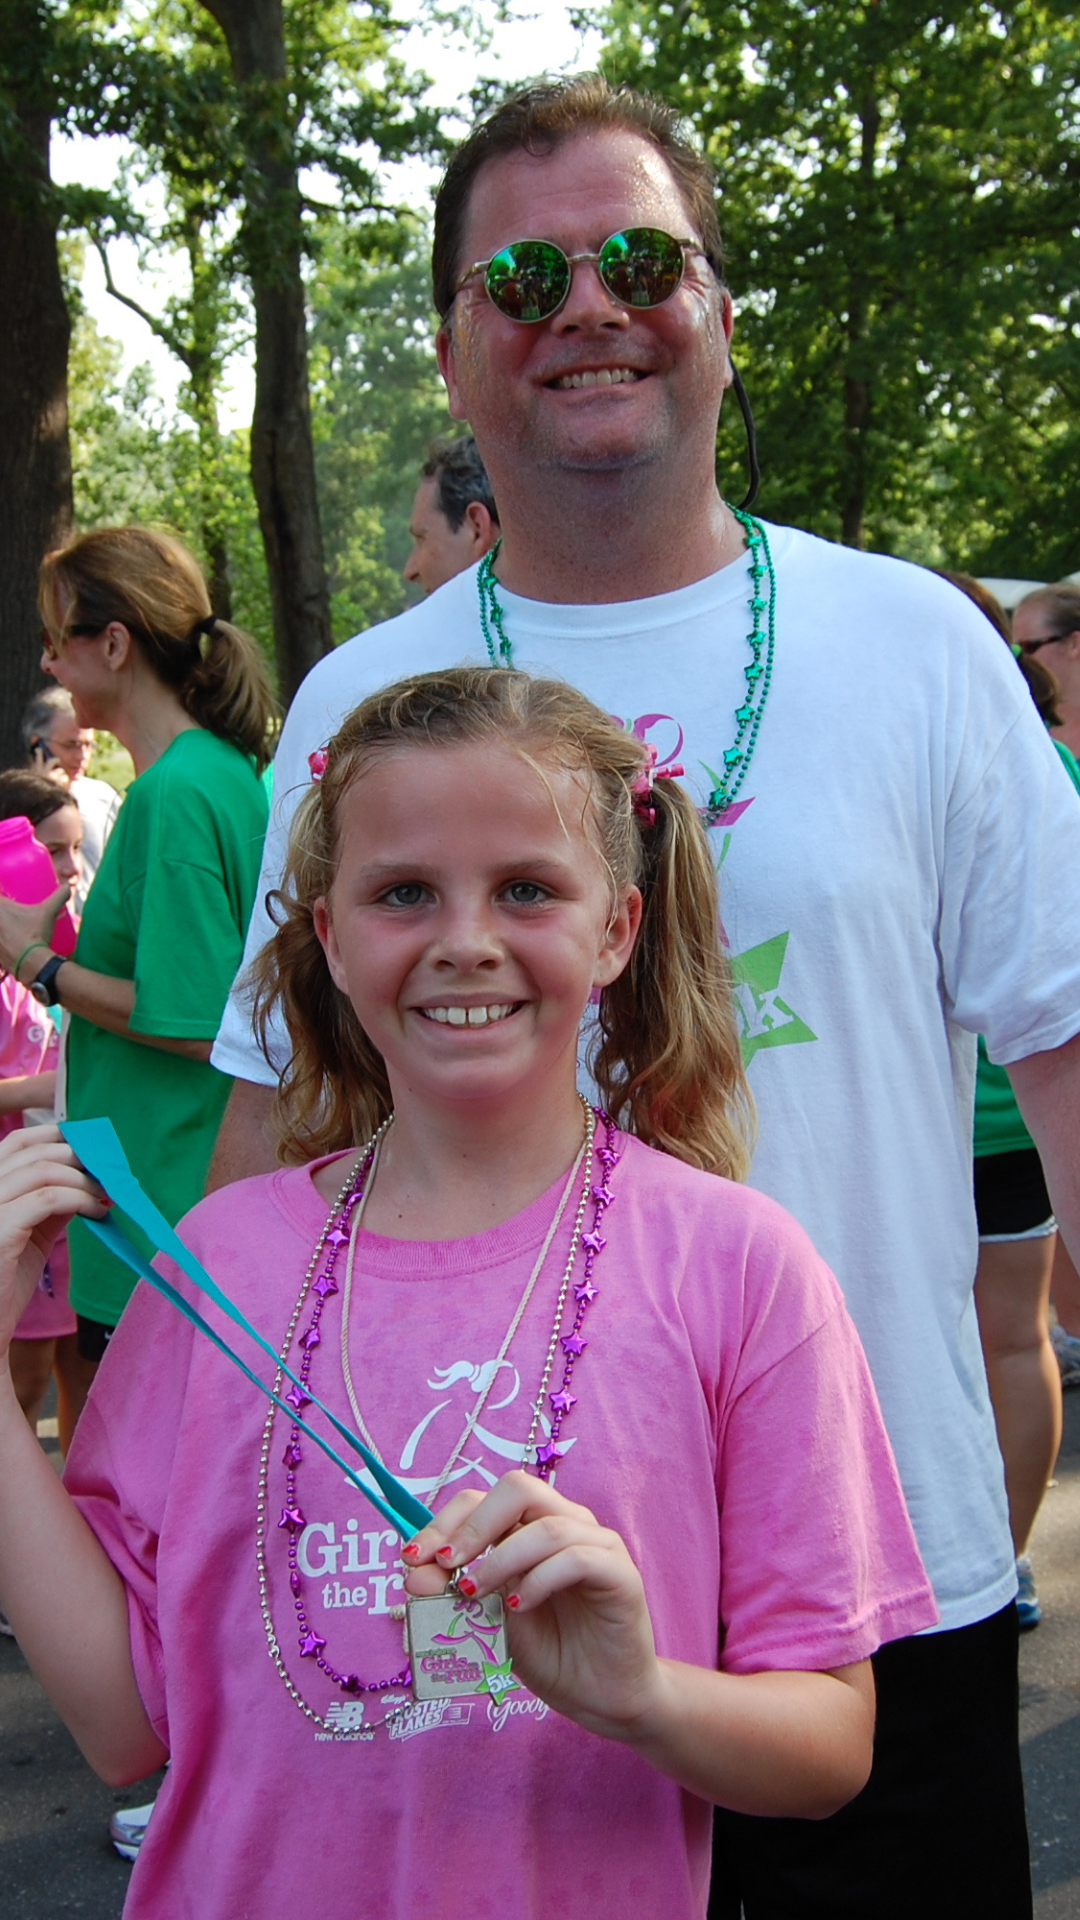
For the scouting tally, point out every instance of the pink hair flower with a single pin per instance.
(641, 786)
(317, 761)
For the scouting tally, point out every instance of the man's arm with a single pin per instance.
(245, 1142)
(1047, 1088)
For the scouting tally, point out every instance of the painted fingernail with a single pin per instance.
(467, 1586)
(445, 1553)
(512, 1599)
(410, 1550)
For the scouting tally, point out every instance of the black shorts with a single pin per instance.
(1010, 1193)
(937, 1833)
(91, 1338)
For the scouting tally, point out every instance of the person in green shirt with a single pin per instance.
(130, 633)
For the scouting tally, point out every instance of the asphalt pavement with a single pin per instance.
(56, 1859)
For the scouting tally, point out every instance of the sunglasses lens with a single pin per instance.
(641, 267)
(528, 280)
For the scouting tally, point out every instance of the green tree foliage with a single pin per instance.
(260, 116)
(133, 462)
(900, 206)
(377, 400)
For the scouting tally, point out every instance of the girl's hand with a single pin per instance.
(577, 1621)
(20, 925)
(41, 1186)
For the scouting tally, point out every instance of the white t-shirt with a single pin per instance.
(900, 873)
(98, 805)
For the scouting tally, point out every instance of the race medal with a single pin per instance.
(458, 1646)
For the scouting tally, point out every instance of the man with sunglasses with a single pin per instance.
(843, 721)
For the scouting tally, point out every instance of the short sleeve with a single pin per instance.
(187, 950)
(1010, 897)
(819, 1565)
(120, 1467)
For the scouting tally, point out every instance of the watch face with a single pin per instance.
(40, 993)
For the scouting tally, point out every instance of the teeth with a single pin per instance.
(605, 377)
(466, 1016)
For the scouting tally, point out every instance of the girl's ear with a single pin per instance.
(327, 938)
(619, 937)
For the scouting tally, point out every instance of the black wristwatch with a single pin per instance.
(43, 986)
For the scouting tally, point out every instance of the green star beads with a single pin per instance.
(758, 673)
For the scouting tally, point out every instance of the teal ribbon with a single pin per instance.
(98, 1148)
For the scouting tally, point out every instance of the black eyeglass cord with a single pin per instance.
(754, 464)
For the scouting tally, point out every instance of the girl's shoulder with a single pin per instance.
(730, 1255)
(706, 1202)
(257, 1227)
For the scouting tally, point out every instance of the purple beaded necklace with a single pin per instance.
(334, 1237)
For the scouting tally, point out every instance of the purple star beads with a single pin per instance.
(311, 1642)
(573, 1346)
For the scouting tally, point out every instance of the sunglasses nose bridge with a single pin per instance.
(596, 284)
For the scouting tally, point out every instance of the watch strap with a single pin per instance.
(43, 985)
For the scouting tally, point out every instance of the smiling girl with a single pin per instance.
(702, 1538)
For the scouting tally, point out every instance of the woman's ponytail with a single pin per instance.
(226, 689)
(150, 583)
(668, 1059)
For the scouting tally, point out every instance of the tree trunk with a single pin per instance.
(856, 422)
(202, 360)
(858, 392)
(282, 456)
(35, 457)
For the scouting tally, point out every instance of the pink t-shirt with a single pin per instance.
(725, 1425)
(29, 1043)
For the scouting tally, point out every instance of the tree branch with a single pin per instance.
(156, 325)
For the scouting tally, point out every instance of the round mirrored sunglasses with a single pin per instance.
(529, 279)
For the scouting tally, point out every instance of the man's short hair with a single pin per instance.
(460, 477)
(42, 713)
(539, 119)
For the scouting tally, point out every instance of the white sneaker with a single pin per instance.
(1067, 1348)
(127, 1829)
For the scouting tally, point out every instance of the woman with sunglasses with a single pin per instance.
(1046, 626)
(130, 634)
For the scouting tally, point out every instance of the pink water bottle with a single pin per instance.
(26, 874)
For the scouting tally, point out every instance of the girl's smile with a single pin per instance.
(471, 918)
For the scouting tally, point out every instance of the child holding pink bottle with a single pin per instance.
(45, 1340)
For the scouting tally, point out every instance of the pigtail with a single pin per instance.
(334, 1091)
(668, 1060)
(226, 689)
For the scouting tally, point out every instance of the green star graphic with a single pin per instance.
(497, 1680)
(765, 1019)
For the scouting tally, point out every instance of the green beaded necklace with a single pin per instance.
(738, 756)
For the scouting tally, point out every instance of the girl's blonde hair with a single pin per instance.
(154, 587)
(666, 1056)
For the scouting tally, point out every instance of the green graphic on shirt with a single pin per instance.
(764, 1018)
